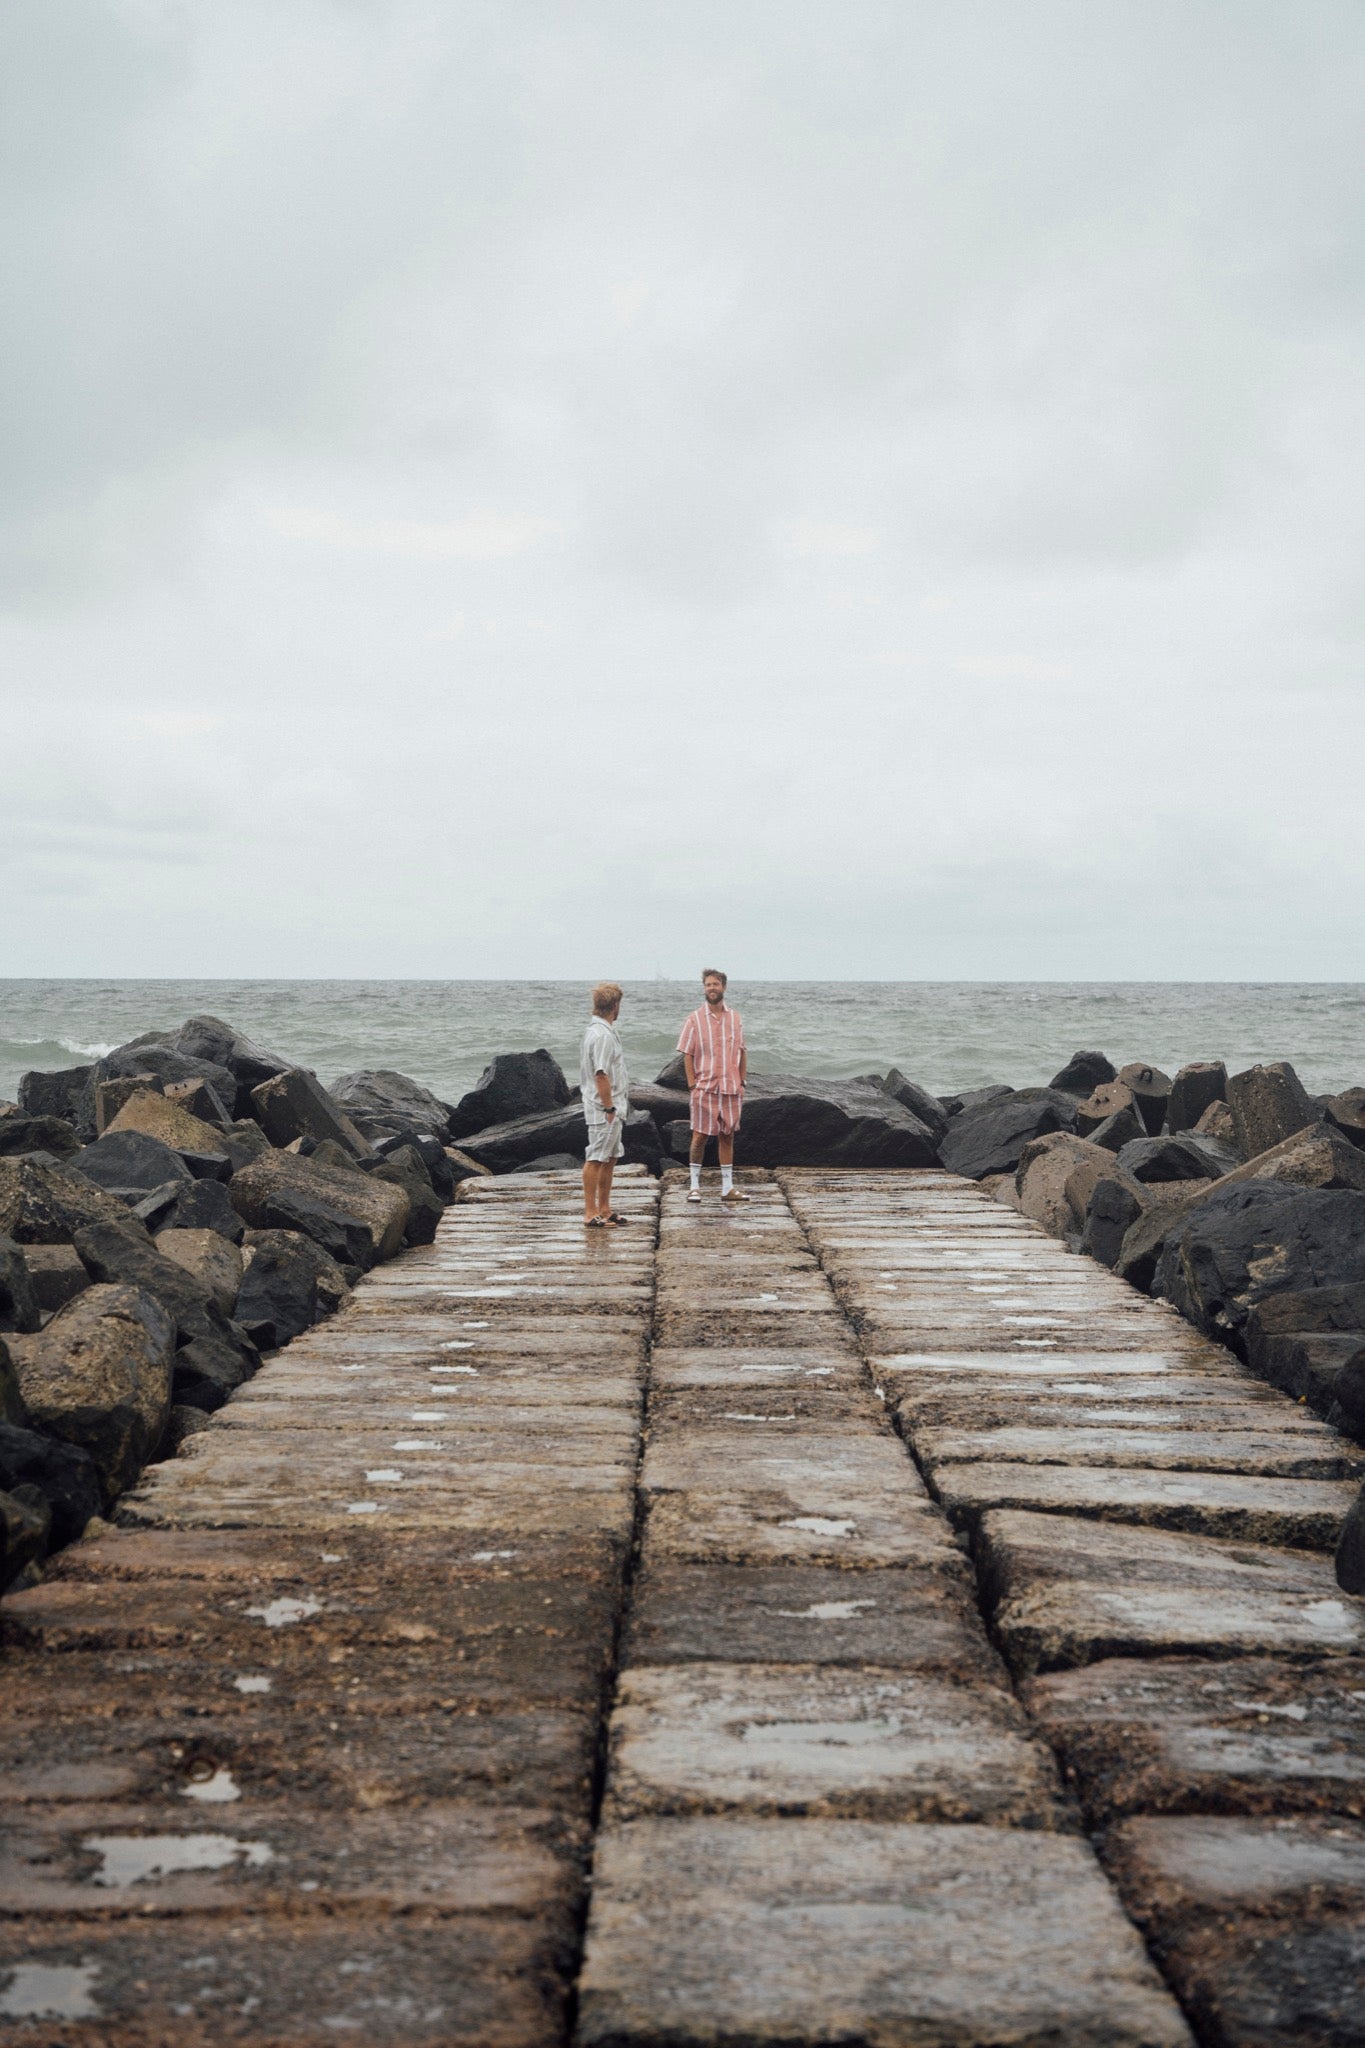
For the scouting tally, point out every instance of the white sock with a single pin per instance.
(727, 1179)
(694, 1167)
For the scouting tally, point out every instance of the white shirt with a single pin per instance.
(602, 1054)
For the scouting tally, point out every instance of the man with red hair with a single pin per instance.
(716, 1060)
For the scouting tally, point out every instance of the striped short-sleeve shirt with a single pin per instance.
(715, 1040)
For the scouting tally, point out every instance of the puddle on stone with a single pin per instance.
(489, 1556)
(132, 1859)
(822, 1525)
(355, 1368)
(733, 1415)
(835, 1734)
(363, 1507)
(49, 1991)
(826, 1610)
(471, 1370)
(474, 1326)
(215, 1788)
(280, 1613)
(384, 1475)
(417, 1443)
(254, 1684)
(1257, 1707)
(426, 1415)
(458, 1344)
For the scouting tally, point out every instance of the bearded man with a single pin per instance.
(716, 1060)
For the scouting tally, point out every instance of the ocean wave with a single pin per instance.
(82, 1051)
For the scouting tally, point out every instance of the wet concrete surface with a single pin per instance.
(878, 1614)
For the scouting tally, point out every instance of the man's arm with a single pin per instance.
(743, 1065)
(689, 1070)
(603, 1086)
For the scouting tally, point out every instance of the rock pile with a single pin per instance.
(1240, 1199)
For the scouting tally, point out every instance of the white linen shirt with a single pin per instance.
(602, 1054)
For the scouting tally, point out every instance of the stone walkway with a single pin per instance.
(966, 1614)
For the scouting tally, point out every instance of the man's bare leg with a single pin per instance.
(696, 1154)
(725, 1146)
(593, 1170)
(604, 1174)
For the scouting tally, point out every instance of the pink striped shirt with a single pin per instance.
(715, 1040)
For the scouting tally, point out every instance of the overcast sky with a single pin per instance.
(860, 489)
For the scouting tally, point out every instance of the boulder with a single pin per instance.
(49, 1204)
(1118, 1130)
(1045, 1167)
(1315, 1157)
(1109, 1100)
(181, 1424)
(199, 1098)
(25, 1520)
(1183, 1158)
(513, 1087)
(205, 1375)
(66, 1094)
(57, 1274)
(553, 1162)
(245, 1141)
(267, 1193)
(1349, 1411)
(991, 1138)
(405, 1169)
(1145, 1240)
(152, 1055)
(1083, 1072)
(115, 1253)
(432, 1154)
(130, 1164)
(208, 1258)
(19, 1305)
(1351, 1550)
(110, 1096)
(288, 1284)
(1315, 1311)
(191, 1205)
(296, 1105)
(64, 1475)
(1194, 1088)
(1268, 1105)
(917, 1100)
(665, 1105)
(99, 1377)
(1114, 1207)
(1087, 1174)
(1150, 1090)
(1217, 1123)
(203, 1147)
(1346, 1113)
(379, 1096)
(210, 1039)
(1241, 1243)
(11, 1401)
(975, 1098)
(462, 1167)
(515, 1144)
(789, 1120)
(673, 1074)
(50, 1134)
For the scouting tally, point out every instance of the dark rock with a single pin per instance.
(1083, 1072)
(991, 1139)
(51, 1134)
(553, 1162)
(65, 1094)
(510, 1145)
(167, 1064)
(64, 1475)
(1315, 1309)
(267, 1193)
(11, 1400)
(1112, 1212)
(210, 1039)
(917, 1100)
(19, 1306)
(514, 1087)
(1351, 1550)
(57, 1274)
(328, 1153)
(462, 1167)
(288, 1284)
(208, 1165)
(789, 1120)
(1124, 1127)
(110, 1096)
(1346, 1113)
(673, 1074)
(181, 1424)
(1183, 1158)
(192, 1205)
(1109, 1100)
(432, 1154)
(245, 1140)
(1196, 1086)
(296, 1105)
(130, 1164)
(344, 1236)
(1150, 1090)
(49, 1204)
(1268, 1105)
(678, 1139)
(199, 1098)
(406, 1169)
(1349, 1414)
(1144, 1242)
(975, 1098)
(116, 1253)
(394, 1100)
(1217, 1123)
(206, 1374)
(24, 1523)
(1243, 1242)
(207, 1258)
(1316, 1157)
(99, 1377)
(665, 1105)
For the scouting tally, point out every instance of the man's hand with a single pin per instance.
(603, 1086)
(689, 1070)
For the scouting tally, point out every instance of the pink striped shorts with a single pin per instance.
(715, 1116)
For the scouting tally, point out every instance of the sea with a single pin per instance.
(946, 1035)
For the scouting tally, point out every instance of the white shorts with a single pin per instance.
(605, 1138)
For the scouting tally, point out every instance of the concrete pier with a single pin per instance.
(844, 1618)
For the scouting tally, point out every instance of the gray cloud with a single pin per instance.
(486, 491)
